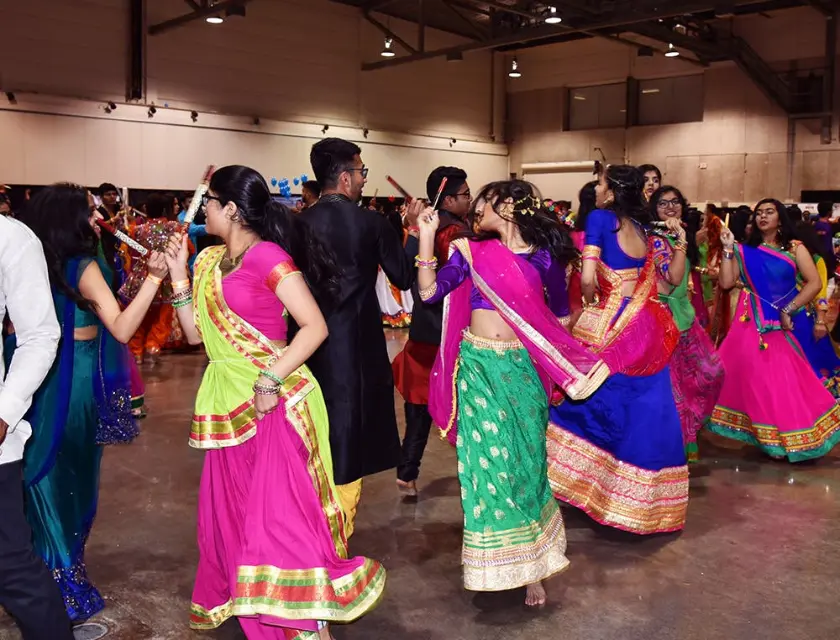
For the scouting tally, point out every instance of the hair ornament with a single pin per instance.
(531, 205)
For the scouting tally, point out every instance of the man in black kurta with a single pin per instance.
(352, 366)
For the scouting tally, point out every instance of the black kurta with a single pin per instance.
(352, 366)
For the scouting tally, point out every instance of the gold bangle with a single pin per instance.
(154, 280)
(181, 284)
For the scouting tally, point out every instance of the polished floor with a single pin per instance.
(759, 559)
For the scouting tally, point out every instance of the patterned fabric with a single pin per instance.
(697, 377)
(513, 529)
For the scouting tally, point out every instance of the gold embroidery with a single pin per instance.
(279, 274)
(429, 292)
(590, 251)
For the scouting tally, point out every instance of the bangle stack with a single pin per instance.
(266, 390)
(154, 280)
(728, 254)
(268, 373)
(789, 308)
(681, 245)
(425, 264)
(182, 295)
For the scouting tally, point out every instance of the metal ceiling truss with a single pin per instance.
(200, 9)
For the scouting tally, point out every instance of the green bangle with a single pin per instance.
(268, 373)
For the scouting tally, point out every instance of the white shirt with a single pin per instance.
(25, 293)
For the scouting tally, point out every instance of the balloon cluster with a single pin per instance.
(285, 186)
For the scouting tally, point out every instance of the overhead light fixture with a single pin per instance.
(388, 52)
(151, 112)
(194, 116)
(112, 105)
(109, 107)
(552, 17)
(325, 128)
(649, 91)
(577, 96)
(452, 142)
(514, 69)
(672, 51)
(365, 132)
(217, 19)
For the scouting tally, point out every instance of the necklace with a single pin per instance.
(228, 264)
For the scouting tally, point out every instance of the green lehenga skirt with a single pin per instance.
(513, 529)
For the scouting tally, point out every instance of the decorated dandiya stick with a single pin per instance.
(439, 193)
(200, 190)
(726, 221)
(405, 194)
(123, 237)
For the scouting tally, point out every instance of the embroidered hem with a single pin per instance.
(796, 446)
(612, 492)
(81, 599)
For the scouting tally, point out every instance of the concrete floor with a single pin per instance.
(759, 559)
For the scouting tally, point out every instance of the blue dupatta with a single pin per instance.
(51, 405)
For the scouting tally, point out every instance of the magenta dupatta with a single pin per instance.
(513, 287)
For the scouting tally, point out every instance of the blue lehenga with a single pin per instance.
(84, 403)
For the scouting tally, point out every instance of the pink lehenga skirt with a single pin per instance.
(271, 539)
(771, 397)
(697, 377)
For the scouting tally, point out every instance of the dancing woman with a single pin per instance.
(771, 396)
(619, 455)
(501, 348)
(271, 530)
(696, 369)
(85, 401)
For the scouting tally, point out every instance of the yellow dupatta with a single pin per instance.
(224, 408)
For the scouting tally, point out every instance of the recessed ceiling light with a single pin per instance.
(552, 17)
(388, 52)
(671, 52)
(214, 19)
(514, 69)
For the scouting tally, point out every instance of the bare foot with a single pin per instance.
(535, 595)
(407, 488)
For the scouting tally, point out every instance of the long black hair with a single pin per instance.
(693, 252)
(787, 229)
(60, 216)
(537, 225)
(587, 199)
(626, 183)
(274, 222)
(807, 235)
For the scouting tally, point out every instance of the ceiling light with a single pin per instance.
(217, 19)
(579, 97)
(194, 116)
(388, 52)
(552, 17)
(151, 112)
(672, 51)
(514, 69)
(647, 91)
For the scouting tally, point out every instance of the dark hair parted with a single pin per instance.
(538, 226)
(587, 200)
(647, 168)
(273, 222)
(693, 226)
(787, 229)
(626, 183)
(330, 158)
(60, 216)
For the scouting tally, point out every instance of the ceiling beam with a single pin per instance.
(615, 20)
(390, 34)
(203, 12)
(825, 7)
(479, 33)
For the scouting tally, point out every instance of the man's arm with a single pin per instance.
(29, 302)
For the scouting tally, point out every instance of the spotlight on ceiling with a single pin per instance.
(217, 19)
(514, 69)
(388, 52)
(151, 112)
(112, 105)
(672, 51)
(453, 142)
(365, 132)
(194, 116)
(325, 128)
(552, 17)
(10, 96)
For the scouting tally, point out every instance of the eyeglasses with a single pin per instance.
(205, 199)
(668, 204)
(364, 171)
(466, 195)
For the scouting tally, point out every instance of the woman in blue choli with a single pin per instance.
(85, 401)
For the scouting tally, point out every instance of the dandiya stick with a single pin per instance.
(200, 190)
(123, 237)
(726, 221)
(439, 193)
(405, 194)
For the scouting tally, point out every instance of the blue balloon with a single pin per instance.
(274, 182)
(304, 178)
(297, 181)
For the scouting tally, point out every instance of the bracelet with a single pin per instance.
(265, 390)
(268, 373)
(789, 308)
(428, 292)
(681, 245)
(181, 284)
(728, 254)
(425, 264)
(154, 280)
(180, 304)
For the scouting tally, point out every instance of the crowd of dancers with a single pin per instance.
(569, 358)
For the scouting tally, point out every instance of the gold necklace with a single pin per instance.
(228, 264)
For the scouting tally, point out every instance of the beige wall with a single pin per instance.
(295, 64)
(742, 141)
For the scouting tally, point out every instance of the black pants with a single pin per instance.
(27, 590)
(418, 423)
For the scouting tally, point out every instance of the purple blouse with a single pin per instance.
(552, 274)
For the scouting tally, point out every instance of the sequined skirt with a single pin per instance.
(513, 529)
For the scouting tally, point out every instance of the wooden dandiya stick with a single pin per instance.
(439, 193)
(200, 190)
(124, 237)
(405, 194)
(726, 221)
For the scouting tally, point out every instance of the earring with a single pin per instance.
(506, 210)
